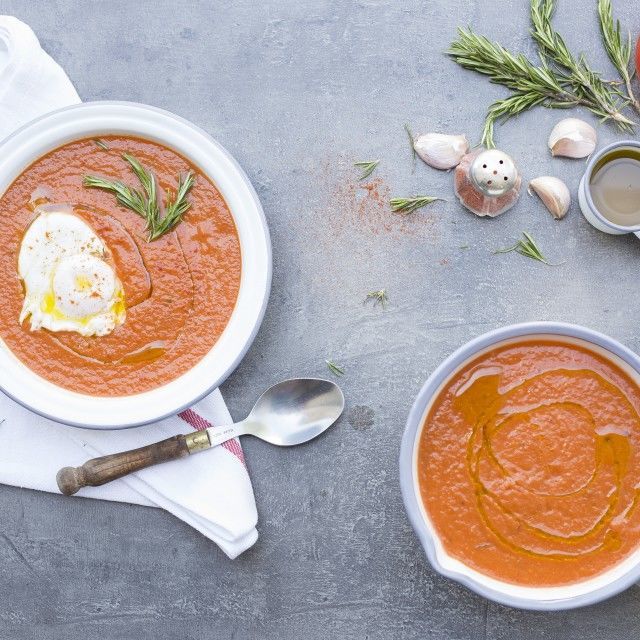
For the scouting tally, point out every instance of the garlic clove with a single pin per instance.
(572, 138)
(477, 200)
(554, 194)
(440, 150)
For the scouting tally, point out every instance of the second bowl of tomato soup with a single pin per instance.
(135, 264)
(520, 466)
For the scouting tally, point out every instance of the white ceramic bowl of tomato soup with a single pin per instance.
(95, 119)
(548, 598)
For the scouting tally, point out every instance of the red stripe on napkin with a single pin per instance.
(200, 424)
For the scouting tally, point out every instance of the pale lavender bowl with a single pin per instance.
(578, 594)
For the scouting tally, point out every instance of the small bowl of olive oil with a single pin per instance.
(609, 192)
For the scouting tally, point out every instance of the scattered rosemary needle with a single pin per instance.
(102, 144)
(409, 205)
(412, 145)
(527, 247)
(367, 166)
(379, 298)
(463, 246)
(334, 368)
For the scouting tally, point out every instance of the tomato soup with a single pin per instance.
(529, 463)
(180, 288)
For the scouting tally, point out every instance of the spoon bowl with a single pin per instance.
(295, 411)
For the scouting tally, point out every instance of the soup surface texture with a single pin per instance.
(179, 290)
(529, 463)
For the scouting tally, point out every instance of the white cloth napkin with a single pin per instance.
(210, 491)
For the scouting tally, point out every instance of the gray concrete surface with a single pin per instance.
(298, 90)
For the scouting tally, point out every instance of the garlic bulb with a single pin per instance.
(572, 138)
(441, 151)
(554, 193)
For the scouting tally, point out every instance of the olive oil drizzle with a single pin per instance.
(612, 458)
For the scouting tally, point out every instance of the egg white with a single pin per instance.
(68, 284)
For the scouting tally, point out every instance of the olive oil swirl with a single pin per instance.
(612, 453)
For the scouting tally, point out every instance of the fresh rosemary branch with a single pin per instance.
(145, 204)
(101, 143)
(558, 81)
(409, 205)
(587, 85)
(619, 50)
(527, 247)
(367, 166)
(334, 368)
(379, 298)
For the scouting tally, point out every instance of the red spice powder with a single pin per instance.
(364, 207)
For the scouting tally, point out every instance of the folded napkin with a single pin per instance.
(210, 491)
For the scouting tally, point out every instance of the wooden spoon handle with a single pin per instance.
(99, 471)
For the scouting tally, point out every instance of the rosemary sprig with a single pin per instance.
(409, 205)
(558, 81)
(618, 49)
(527, 247)
(412, 145)
(145, 203)
(379, 298)
(367, 166)
(587, 84)
(176, 206)
(334, 368)
(102, 144)
(507, 108)
(127, 197)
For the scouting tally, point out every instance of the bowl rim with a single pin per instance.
(55, 129)
(501, 592)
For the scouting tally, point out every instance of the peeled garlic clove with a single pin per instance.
(474, 190)
(573, 138)
(554, 194)
(441, 151)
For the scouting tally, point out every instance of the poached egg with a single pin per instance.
(69, 285)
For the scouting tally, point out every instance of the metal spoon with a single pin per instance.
(289, 413)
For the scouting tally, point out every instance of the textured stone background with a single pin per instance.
(298, 90)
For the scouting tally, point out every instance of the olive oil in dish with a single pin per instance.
(615, 186)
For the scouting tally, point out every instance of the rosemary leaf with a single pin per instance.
(412, 145)
(334, 368)
(409, 205)
(379, 298)
(102, 144)
(367, 166)
(527, 247)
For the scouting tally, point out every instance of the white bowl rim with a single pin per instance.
(499, 591)
(89, 119)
